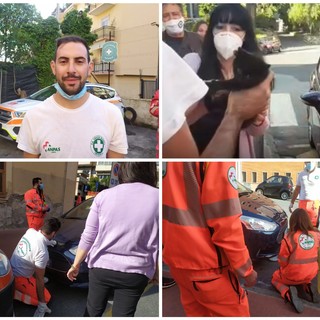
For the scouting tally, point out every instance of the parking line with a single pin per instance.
(281, 111)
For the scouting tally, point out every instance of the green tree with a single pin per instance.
(14, 17)
(92, 183)
(41, 40)
(78, 23)
(305, 16)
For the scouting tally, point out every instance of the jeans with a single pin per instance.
(127, 289)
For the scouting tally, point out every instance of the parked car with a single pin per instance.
(263, 222)
(62, 255)
(6, 286)
(276, 186)
(269, 44)
(312, 101)
(12, 112)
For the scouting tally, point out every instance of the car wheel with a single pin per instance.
(130, 115)
(259, 191)
(284, 195)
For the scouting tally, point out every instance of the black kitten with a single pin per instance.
(249, 70)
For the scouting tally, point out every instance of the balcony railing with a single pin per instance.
(106, 32)
(103, 67)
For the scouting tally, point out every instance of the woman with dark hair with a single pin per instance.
(230, 28)
(201, 28)
(298, 261)
(121, 241)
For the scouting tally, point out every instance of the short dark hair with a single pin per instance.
(144, 172)
(51, 225)
(67, 39)
(36, 180)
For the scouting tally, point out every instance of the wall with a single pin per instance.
(141, 106)
(59, 180)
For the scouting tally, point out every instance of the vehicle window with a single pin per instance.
(81, 211)
(102, 93)
(271, 180)
(43, 94)
(243, 189)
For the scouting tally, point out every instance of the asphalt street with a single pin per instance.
(288, 133)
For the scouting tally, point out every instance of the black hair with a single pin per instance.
(225, 13)
(51, 225)
(67, 39)
(36, 180)
(144, 172)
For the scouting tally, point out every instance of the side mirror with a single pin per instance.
(311, 98)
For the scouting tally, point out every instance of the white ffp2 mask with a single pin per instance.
(174, 26)
(226, 43)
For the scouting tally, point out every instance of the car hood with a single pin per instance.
(20, 104)
(261, 205)
(70, 231)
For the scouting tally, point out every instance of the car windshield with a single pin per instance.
(80, 212)
(243, 189)
(43, 94)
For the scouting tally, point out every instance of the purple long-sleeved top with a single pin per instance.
(122, 229)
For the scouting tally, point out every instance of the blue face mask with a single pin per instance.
(41, 186)
(67, 96)
(308, 166)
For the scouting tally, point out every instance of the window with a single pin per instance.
(105, 21)
(254, 177)
(276, 173)
(2, 178)
(264, 176)
(288, 174)
(244, 176)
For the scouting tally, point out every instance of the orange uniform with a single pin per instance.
(35, 209)
(26, 291)
(203, 238)
(298, 260)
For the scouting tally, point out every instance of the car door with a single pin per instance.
(272, 184)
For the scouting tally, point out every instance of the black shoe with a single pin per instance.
(313, 291)
(295, 300)
(167, 283)
(304, 292)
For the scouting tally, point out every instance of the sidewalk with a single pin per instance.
(262, 304)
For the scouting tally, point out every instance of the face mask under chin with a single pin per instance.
(70, 97)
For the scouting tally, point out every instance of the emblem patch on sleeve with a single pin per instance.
(232, 177)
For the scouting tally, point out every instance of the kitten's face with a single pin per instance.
(248, 66)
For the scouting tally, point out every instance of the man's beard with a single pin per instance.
(72, 91)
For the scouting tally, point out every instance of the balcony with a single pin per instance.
(103, 68)
(105, 33)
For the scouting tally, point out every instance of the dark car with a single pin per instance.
(62, 255)
(6, 286)
(263, 222)
(312, 100)
(269, 44)
(276, 186)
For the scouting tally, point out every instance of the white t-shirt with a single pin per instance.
(86, 132)
(181, 89)
(310, 185)
(31, 252)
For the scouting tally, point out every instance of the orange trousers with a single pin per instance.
(35, 221)
(282, 284)
(26, 291)
(209, 293)
(312, 207)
